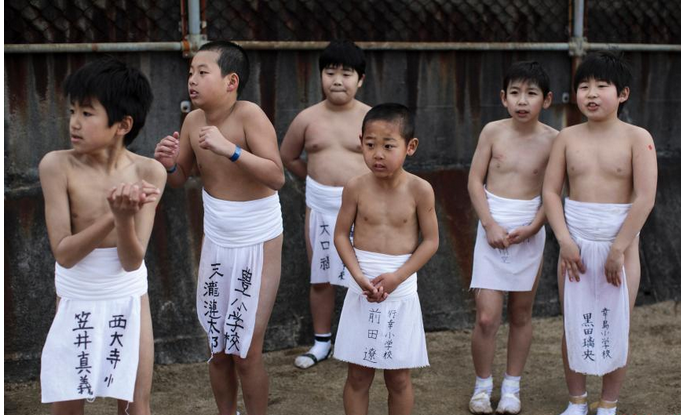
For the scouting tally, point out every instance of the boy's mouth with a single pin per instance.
(592, 105)
(522, 112)
(193, 93)
(76, 138)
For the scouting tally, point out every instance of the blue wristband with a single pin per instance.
(237, 153)
(172, 169)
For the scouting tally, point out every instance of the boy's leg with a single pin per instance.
(251, 370)
(356, 391)
(322, 298)
(76, 407)
(488, 304)
(612, 382)
(520, 327)
(400, 391)
(224, 383)
(145, 367)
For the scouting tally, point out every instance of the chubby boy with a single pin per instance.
(234, 146)
(328, 133)
(100, 201)
(611, 172)
(505, 183)
(381, 325)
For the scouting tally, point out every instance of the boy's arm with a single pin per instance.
(68, 249)
(175, 153)
(133, 207)
(292, 147)
(554, 178)
(644, 163)
(341, 239)
(427, 219)
(497, 236)
(521, 233)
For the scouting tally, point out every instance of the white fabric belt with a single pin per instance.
(321, 198)
(595, 221)
(374, 264)
(100, 276)
(239, 224)
(512, 213)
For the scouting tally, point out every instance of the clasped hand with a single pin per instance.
(210, 138)
(127, 199)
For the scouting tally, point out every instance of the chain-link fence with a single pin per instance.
(83, 21)
(79, 21)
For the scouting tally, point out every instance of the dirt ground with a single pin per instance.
(652, 387)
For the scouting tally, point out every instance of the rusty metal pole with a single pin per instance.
(577, 51)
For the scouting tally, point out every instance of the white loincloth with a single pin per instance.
(386, 335)
(92, 348)
(596, 313)
(324, 203)
(230, 270)
(514, 268)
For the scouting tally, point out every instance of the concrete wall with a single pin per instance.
(455, 94)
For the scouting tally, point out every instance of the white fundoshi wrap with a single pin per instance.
(230, 271)
(514, 268)
(596, 313)
(386, 335)
(92, 348)
(324, 203)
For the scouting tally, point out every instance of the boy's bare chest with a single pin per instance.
(88, 192)
(394, 212)
(526, 158)
(608, 157)
(340, 135)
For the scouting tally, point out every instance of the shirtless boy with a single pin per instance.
(504, 184)
(381, 326)
(234, 146)
(100, 201)
(328, 133)
(611, 172)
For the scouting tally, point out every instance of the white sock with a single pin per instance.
(511, 384)
(322, 345)
(483, 385)
(607, 411)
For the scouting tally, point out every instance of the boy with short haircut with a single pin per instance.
(328, 133)
(381, 326)
(611, 170)
(505, 183)
(100, 201)
(234, 146)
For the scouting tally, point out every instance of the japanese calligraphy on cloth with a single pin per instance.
(596, 312)
(230, 271)
(92, 348)
(386, 335)
(514, 268)
(324, 203)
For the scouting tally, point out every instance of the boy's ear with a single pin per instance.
(624, 94)
(547, 100)
(124, 126)
(360, 138)
(361, 81)
(502, 96)
(412, 145)
(232, 81)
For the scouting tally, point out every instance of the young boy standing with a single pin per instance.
(505, 183)
(611, 170)
(381, 326)
(100, 201)
(234, 146)
(328, 133)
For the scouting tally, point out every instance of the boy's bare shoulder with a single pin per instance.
(358, 182)
(309, 114)
(637, 133)
(247, 110)
(494, 128)
(195, 117)
(148, 168)
(419, 188)
(56, 160)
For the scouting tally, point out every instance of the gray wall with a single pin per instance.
(455, 94)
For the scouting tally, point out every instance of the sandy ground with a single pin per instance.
(652, 387)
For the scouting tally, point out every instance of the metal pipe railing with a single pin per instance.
(386, 46)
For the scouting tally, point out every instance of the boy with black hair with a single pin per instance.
(328, 133)
(504, 184)
(611, 172)
(234, 146)
(100, 201)
(381, 326)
